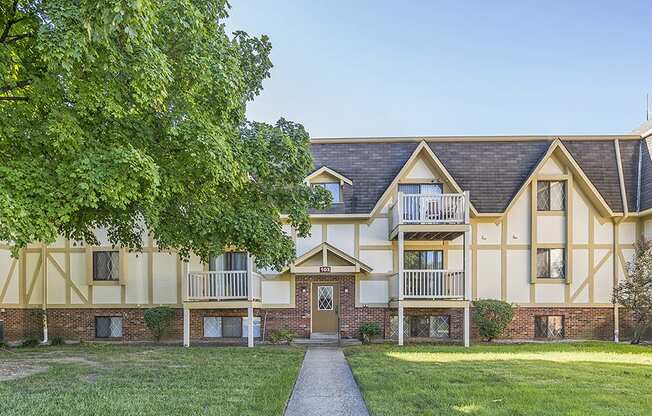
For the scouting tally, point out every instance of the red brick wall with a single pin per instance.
(297, 320)
(22, 323)
(79, 324)
(579, 323)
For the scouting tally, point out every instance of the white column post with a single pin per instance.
(250, 280)
(186, 327)
(45, 323)
(400, 323)
(250, 326)
(467, 326)
(616, 324)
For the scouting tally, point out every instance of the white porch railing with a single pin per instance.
(429, 209)
(433, 284)
(223, 285)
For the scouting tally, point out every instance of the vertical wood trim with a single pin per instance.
(503, 258)
(474, 260)
(324, 233)
(68, 274)
(569, 238)
(591, 254)
(179, 279)
(22, 278)
(10, 275)
(356, 240)
(150, 270)
(34, 277)
(533, 238)
(44, 274)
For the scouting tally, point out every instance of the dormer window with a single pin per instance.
(334, 188)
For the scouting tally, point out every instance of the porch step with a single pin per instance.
(326, 336)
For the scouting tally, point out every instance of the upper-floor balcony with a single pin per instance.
(429, 216)
(223, 285)
(430, 284)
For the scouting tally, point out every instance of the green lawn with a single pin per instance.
(530, 379)
(125, 380)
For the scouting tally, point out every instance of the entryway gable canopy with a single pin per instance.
(325, 258)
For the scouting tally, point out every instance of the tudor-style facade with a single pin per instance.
(419, 228)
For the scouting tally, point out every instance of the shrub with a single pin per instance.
(30, 342)
(159, 320)
(491, 316)
(56, 340)
(369, 331)
(3, 345)
(281, 336)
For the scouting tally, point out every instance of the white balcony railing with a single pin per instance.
(430, 209)
(433, 284)
(223, 285)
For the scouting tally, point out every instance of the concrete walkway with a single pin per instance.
(325, 386)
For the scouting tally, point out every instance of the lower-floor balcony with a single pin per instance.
(223, 285)
(440, 284)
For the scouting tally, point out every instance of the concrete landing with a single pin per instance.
(325, 386)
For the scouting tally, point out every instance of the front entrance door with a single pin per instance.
(325, 307)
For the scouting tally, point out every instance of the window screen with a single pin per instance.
(105, 265)
(232, 327)
(551, 326)
(440, 326)
(108, 327)
(551, 263)
(212, 327)
(245, 330)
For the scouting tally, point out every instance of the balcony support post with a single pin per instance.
(467, 285)
(250, 326)
(400, 323)
(401, 247)
(467, 325)
(186, 326)
(250, 280)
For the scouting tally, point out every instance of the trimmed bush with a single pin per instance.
(159, 320)
(30, 342)
(369, 331)
(492, 317)
(56, 340)
(281, 336)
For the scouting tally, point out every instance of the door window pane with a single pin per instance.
(423, 259)
(235, 261)
(325, 298)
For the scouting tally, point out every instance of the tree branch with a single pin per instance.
(10, 22)
(16, 38)
(19, 84)
(14, 98)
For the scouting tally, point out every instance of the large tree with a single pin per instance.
(129, 115)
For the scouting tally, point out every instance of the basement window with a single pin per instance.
(106, 265)
(549, 326)
(108, 327)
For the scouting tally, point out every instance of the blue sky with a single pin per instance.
(381, 68)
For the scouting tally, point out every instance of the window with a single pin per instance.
(551, 196)
(232, 327)
(423, 259)
(421, 188)
(245, 322)
(334, 188)
(212, 327)
(108, 327)
(231, 261)
(551, 326)
(106, 265)
(325, 298)
(435, 326)
(551, 263)
(440, 326)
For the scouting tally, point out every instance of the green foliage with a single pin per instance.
(159, 320)
(281, 336)
(56, 340)
(635, 291)
(30, 342)
(492, 317)
(3, 345)
(368, 331)
(130, 116)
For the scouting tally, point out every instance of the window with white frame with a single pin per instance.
(106, 265)
(551, 263)
(334, 188)
(551, 196)
(108, 327)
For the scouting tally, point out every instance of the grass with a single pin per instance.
(129, 380)
(530, 379)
